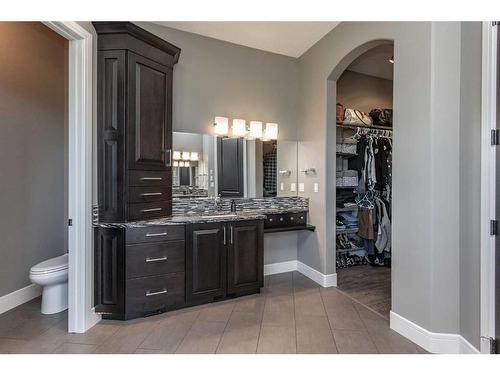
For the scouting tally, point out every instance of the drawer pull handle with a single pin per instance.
(281, 219)
(149, 294)
(150, 260)
(151, 178)
(149, 194)
(156, 234)
(291, 218)
(151, 209)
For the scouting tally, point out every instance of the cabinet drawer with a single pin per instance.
(150, 178)
(153, 294)
(158, 233)
(276, 220)
(144, 194)
(151, 259)
(150, 210)
(285, 220)
(299, 218)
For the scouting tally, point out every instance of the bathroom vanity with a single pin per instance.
(190, 258)
(153, 252)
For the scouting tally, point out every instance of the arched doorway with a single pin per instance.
(359, 169)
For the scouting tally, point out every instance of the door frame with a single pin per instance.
(488, 175)
(80, 178)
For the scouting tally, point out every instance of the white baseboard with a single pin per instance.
(18, 297)
(320, 278)
(295, 265)
(282, 267)
(439, 343)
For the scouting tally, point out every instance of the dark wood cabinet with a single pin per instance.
(230, 167)
(245, 257)
(134, 121)
(224, 260)
(109, 271)
(206, 262)
(139, 271)
(149, 130)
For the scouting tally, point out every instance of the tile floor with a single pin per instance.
(291, 315)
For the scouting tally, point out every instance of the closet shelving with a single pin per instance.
(347, 231)
(354, 127)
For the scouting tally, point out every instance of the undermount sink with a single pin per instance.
(218, 215)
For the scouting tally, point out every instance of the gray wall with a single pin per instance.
(33, 149)
(188, 142)
(216, 78)
(470, 177)
(364, 92)
(427, 173)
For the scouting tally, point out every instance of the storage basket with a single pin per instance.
(350, 178)
(347, 146)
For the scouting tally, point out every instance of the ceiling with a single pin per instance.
(286, 38)
(375, 62)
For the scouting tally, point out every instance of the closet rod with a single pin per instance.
(365, 127)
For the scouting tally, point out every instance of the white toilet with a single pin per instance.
(52, 276)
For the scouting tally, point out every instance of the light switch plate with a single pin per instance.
(316, 187)
(293, 187)
(301, 187)
(282, 186)
(212, 184)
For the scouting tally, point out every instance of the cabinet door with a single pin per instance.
(205, 262)
(230, 167)
(109, 271)
(149, 114)
(111, 134)
(245, 257)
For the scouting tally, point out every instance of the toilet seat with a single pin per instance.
(52, 265)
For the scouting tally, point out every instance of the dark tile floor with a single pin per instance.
(291, 315)
(369, 285)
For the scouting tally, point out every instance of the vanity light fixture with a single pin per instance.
(176, 155)
(271, 131)
(221, 126)
(194, 156)
(239, 128)
(255, 129)
(186, 155)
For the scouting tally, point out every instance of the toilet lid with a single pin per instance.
(51, 265)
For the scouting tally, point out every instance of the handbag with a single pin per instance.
(357, 118)
(340, 113)
(381, 117)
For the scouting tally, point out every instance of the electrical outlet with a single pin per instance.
(301, 187)
(293, 187)
(316, 187)
(282, 186)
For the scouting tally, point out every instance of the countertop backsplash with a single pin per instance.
(182, 206)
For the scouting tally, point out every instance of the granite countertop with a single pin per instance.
(202, 217)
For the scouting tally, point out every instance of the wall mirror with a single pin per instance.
(207, 166)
